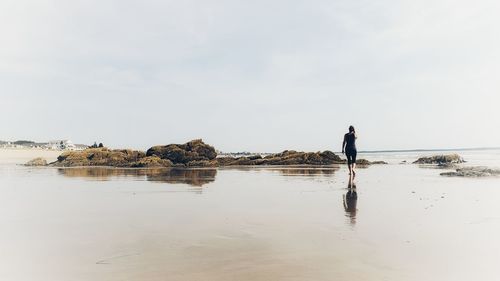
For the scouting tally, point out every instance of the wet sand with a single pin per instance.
(407, 223)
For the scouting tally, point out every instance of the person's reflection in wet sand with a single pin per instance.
(350, 201)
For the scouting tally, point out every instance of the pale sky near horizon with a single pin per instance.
(252, 75)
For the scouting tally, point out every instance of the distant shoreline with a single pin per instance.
(31, 149)
(430, 150)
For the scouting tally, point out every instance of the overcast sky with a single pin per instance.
(252, 75)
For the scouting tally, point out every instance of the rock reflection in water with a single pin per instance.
(194, 177)
(291, 170)
(327, 172)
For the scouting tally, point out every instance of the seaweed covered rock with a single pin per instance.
(195, 150)
(291, 157)
(171, 152)
(287, 157)
(192, 154)
(99, 157)
(202, 163)
(440, 159)
(225, 161)
(364, 162)
(36, 162)
(378, 163)
(151, 162)
(473, 172)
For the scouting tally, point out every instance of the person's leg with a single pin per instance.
(349, 162)
(354, 154)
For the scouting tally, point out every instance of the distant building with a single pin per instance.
(52, 145)
(63, 145)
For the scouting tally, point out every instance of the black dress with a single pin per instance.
(350, 148)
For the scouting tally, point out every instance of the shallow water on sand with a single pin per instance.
(405, 223)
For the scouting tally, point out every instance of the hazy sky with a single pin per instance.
(252, 75)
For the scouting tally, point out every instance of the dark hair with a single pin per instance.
(351, 129)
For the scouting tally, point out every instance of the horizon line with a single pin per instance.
(432, 149)
(389, 150)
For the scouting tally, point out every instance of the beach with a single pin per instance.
(241, 223)
(249, 141)
(12, 157)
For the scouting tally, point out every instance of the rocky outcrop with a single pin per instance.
(36, 162)
(473, 172)
(287, 157)
(291, 157)
(202, 163)
(151, 162)
(364, 162)
(440, 159)
(192, 154)
(108, 157)
(189, 154)
(378, 163)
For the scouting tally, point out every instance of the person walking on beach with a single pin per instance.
(349, 148)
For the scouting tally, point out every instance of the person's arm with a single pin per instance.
(343, 145)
